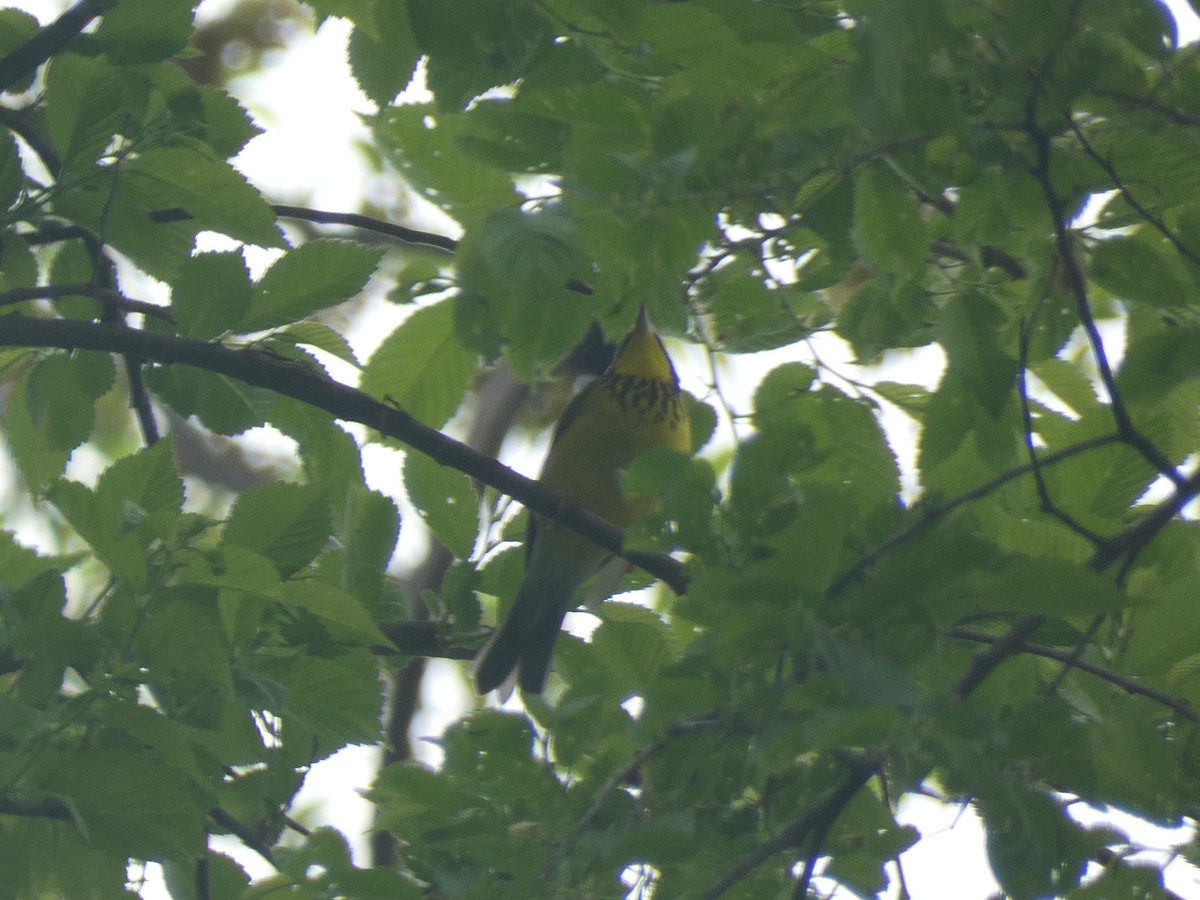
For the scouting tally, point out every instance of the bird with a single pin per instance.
(634, 405)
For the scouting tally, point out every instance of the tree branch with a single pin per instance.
(821, 815)
(101, 294)
(36, 809)
(1110, 170)
(312, 386)
(1180, 707)
(933, 514)
(243, 833)
(400, 233)
(1079, 291)
(49, 40)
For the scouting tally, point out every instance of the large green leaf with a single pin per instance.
(421, 366)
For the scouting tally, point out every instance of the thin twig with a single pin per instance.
(101, 294)
(1179, 706)
(1110, 170)
(1076, 652)
(999, 650)
(243, 833)
(367, 223)
(597, 805)
(1079, 291)
(928, 516)
(1048, 506)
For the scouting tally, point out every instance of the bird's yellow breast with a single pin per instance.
(613, 419)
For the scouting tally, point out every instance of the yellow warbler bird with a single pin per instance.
(636, 404)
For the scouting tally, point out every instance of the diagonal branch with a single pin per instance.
(400, 233)
(820, 815)
(1180, 707)
(929, 516)
(312, 386)
(1077, 284)
(49, 40)
(1117, 182)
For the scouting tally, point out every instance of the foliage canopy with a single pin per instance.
(1013, 182)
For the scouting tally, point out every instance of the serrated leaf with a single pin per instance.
(339, 611)
(446, 501)
(383, 53)
(422, 366)
(888, 222)
(338, 699)
(147, 479)
(223, 404)
(873, 678)
(1043, 587)
(314, 276)
(85, 107)
(314, 334)
(287, 523)
(210, 294)
(141, 807)
(98, 522)
(62, 391)
(521, 264)
(163, 199)
(140, 31)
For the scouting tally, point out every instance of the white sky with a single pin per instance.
(308, 104)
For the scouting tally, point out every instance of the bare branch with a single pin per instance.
(49, 40)
(312, 386)
(101, 294)
(400, 233)
(1177, 705)
(1077, 284)
(821, 815)
(929, 516)
(1110, 170)
(242, 832)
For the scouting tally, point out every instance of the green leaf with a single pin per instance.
(341, 613)
(384, 55)
(12, 177)
(446, 501)
(147, 479)
(421, 366)
(210, 294)
(1140, 268)
(522, 264)
(17, 27)
(140, 807)
(322, 337)
(140, 31)
(888, 222)
(62, 391)
(223, 404)
(86, 104)
(337, 699)
(971, 331)
(424, 147)
(190, 188)
(287, 523)
(473, 47)
(98, 520)
(1041, 586)
(314, 276)
(873, 678)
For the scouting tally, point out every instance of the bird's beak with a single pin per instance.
(643, 325)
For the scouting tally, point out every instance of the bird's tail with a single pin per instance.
(525, 639)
